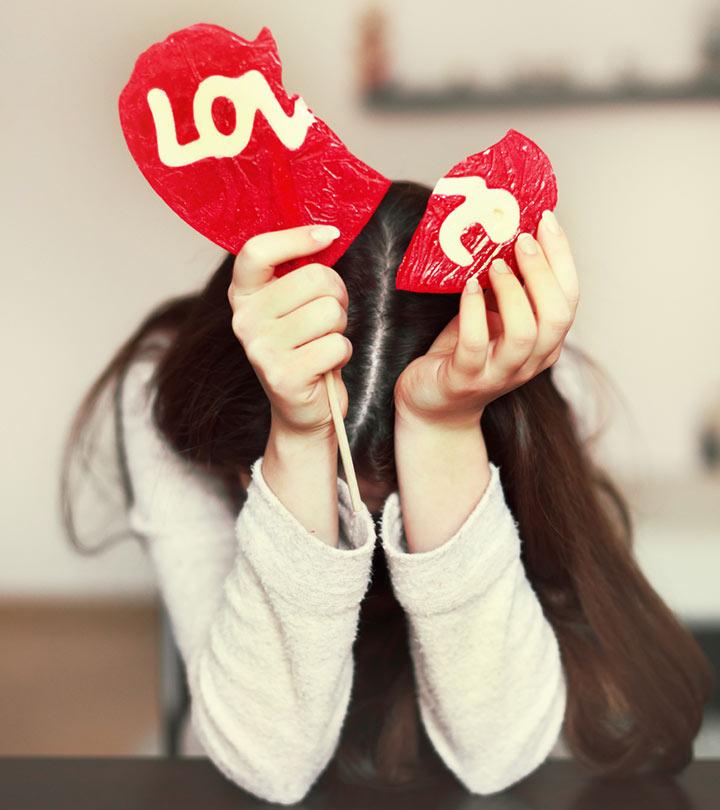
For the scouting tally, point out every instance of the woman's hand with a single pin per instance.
(481, 354)
(291, 327)
(291, 330)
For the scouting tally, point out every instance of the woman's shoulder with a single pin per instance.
(136, 387)
(161, 478)
(146, 447)
(138, 376)
(152, 347)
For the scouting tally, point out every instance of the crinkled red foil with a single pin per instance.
(514, 163)
(267, 186)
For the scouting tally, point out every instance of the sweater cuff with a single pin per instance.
(463, 567)
(293, 562)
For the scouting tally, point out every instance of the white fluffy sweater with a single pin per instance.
(265, 615)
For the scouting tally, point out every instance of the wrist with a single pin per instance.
(289, 445)
(293, 435)
(301, 469)
(409, 421)
(441, 466)
(459, 439)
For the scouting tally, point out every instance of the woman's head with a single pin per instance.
(387, 328)
(637, 680)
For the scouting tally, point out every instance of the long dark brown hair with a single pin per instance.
(637, 679)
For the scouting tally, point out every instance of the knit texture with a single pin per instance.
(265, 615)
(491, 687)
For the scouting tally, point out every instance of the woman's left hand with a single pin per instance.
(481, 355)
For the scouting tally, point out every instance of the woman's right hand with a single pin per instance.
(291, 327)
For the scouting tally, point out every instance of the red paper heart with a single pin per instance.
(460, 225)
(236, 181)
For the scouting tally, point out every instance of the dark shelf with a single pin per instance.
(395, 98)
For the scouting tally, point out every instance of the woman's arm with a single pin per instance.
(263, 611)
(441, 470)
(491, 686)
(488, 665)
(312, 498)
(290, 329)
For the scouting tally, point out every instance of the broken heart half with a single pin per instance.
(475, 214)
(211, 127)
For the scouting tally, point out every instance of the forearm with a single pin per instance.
(442, 473)
(302, 472)
(272, 676)
(491, 687)
(488, 667)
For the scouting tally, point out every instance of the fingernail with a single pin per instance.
(324, 233)
(527, 244)
(472, 285)
(500, 266)
(550, 221)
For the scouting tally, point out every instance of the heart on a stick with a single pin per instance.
(475, 214)
(210, 126)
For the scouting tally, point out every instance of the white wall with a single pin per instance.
(88, 247)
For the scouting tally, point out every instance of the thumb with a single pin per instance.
(255, 263)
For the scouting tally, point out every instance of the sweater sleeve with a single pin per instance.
(490, 682)
(264, 613)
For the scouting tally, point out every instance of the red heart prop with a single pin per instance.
(209, 124)
(475, 214)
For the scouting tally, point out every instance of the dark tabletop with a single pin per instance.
(175, 784)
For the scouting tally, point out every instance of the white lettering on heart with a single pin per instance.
(249, 93)
(496, 209)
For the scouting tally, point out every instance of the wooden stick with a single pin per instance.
(343, 443)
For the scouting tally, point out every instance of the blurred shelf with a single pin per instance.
(535, 92)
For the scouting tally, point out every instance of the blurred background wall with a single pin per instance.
(88, 247)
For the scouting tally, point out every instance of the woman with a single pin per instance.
(506, 606)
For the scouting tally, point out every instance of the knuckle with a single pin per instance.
(338, 279)
(252, 351)
(274, 379)
(315, 273)
(335, 310)
(244, 320)
(258, 352)
(558, 324)
(238, 323)
(523, 340)
(475, 344)
(276, 376)
(339, 342)
(253, 251)
(552, 359)
(238, 303)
